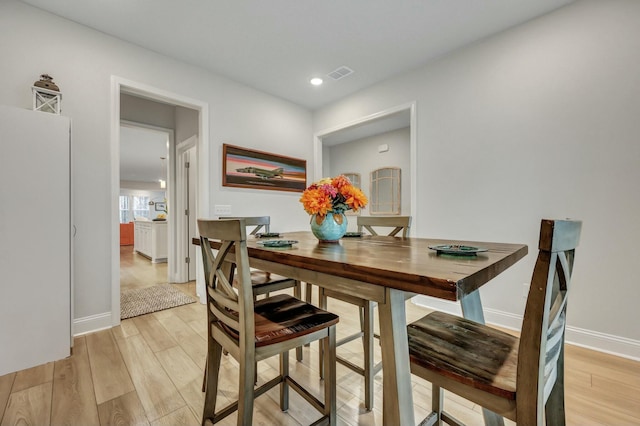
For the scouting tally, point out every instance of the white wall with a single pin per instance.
(362, 156)
(82, 62)
(541, 121)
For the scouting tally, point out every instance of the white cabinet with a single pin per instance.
(35, 238)
(151, 239)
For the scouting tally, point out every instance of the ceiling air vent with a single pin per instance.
(341, 72)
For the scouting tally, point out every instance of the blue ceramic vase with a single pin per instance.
(329, 228)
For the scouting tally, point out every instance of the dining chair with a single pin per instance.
(516, 378)
(252, 330)
(265, 282)
(372, 225)
(370, 368)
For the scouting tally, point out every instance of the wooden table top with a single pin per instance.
(402, 263)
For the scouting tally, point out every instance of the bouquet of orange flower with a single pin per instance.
(332, 195)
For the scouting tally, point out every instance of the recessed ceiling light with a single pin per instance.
(316, 81)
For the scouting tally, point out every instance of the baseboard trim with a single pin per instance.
(601, 342)
(91, 323)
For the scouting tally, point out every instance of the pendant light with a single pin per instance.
(163, 181)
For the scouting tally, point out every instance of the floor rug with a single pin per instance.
(151, 299)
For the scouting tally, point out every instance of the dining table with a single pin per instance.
(389, 270)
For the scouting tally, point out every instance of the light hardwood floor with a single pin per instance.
(136, 271)
(149, 371)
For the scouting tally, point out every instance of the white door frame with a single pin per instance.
(182, 268)
(411, 107)
(120, 85)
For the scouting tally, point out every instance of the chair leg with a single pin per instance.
(308, 293)
(212, 370)
(246, 388)
(284, 386)
(204, 376)
(492, 419)
(369, 365)
(437, 400)
(330, 380)
(297, 293)
(307, 298)
(322, 304)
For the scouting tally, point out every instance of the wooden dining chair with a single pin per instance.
(369, 368)
(265, 282)
(516, 378)
(372, 225)
(252, 330)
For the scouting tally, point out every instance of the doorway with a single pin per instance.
(368, 127)
(122, 87)
(144, 169)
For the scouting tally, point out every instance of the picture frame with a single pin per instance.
(248, 168)
(160, 206)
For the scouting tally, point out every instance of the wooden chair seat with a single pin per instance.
(282, 317)
(465, 351)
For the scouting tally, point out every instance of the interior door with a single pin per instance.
(192, 231)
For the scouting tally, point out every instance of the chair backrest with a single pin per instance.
(398, 223)
(258, 222)
(229, 310)
(541, 350)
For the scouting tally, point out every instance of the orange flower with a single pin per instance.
(354, 197)
(340, 182)
(332, 195)
(316, 201)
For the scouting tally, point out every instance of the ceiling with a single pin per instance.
(276, 46)
(369, 128)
